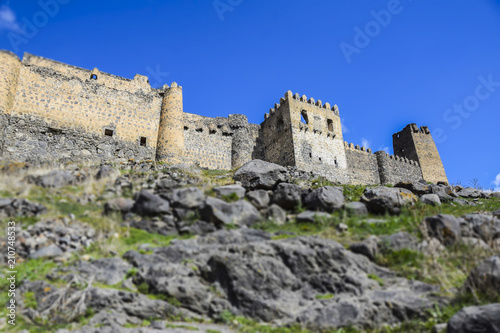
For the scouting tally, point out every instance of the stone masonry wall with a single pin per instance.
(362, 165)
(33, 140)
(318, 137)
(10, 66)
(395, 169)
(66, 97)
(277, 136)
(207, 141)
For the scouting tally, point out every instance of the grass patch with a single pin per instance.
(324, 296)
(374, 277)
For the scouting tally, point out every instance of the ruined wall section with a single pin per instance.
(117, 118)
(394, 169)
(276, 135)
(221, 143)
(318, 140)
(10, 66)
(362, 165)
(418, 144)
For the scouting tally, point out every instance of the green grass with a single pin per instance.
(325, 296)
(374, 277)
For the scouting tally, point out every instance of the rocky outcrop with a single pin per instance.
(309, 280)
(484, 319)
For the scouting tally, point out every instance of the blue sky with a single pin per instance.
(384, 63)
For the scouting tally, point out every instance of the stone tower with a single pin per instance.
(170, 147)
(417, 144)
(10, 65)
(307, 134)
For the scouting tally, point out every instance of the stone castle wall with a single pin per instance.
(207, 141)
(51, 112)
(362, 165)
(277, 135)
(395, 169)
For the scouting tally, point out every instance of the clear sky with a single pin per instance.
(385, 63)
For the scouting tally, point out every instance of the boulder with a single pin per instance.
(20, 207)
(432, 247)
(164, 225)
(258, 174)
(475, 243)
(398, 241)
(367, 248)
(116, 306)
(108, 271)
(149, 204)
(227, 190)
(50, 251)
(222, 213)
(485, 226)
(56, 179)
(106, 171)
(460, 202)
(118, 205)
(276, 214)
(446, 228)
(430, 199)
(287, 196)
(485, 277)
(445, 193)
(188, 197)
(326, 199)
(418, 188)
(471, 193)
(484, 319)
(381, 199)
(356, 208)
(259, 198)
(495, 195)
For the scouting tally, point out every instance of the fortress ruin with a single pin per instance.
(51, 112)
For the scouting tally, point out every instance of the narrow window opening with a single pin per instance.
(330, 125)
(143, 141)
(212, 131)
(93, 76)
(320, 159)
(280, 124)
(200, 130)
(186, 128)
(303, 117)
(310, 155)
(108, 132)
(336, 161)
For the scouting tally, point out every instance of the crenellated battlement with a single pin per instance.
(357, 147)
(312, 102)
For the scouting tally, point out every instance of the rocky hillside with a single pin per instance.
(159, 248)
